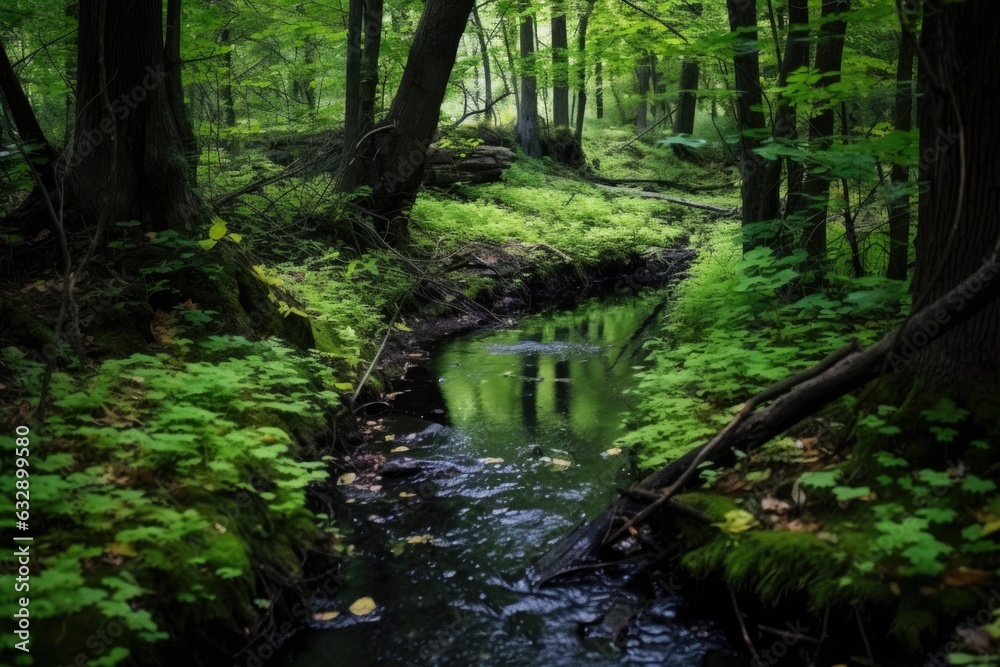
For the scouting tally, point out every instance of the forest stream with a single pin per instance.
(509, 443)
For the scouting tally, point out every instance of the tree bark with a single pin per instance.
(560, 66)
(391, 158)
(958, 218)
(760, 203)
(228, 101)
(899, 206)
(369, 64)
(527, 112)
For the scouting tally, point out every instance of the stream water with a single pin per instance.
(507, 436)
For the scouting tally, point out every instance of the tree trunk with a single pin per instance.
(560, 66)
(527, 112)
(581, 67)
(786, 119)
(228, 101)
(642, 76)
(958, 220)
(352, 85)
(127, 160)
(391, 158)
(599, 89)
(30, 132)
(899, 206)
(369, 64)
(816, 186)
(175, 87)
(485, 51)
(688, 98)
(760, 203)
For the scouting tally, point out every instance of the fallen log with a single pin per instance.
(482, 164)
(674, 200)
(793, 400)
(676, 185)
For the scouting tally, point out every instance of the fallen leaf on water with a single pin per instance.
(561, 463)
(390, 438)
(326, 616)
(346, 478)
(401, 448)
(492, 459)
(614, 451)
(406, 494)
(363, 606)
(420, 539)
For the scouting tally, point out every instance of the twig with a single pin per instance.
(674, 200)
(743, 627)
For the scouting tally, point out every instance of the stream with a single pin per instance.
(500, 443)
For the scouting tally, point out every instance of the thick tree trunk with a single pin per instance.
(126, 161)
(959, 216)
(175, 87)
(760, 203)
(527, 112)
(560, 66)
(816, 186)
(899, 207)
(391, 158)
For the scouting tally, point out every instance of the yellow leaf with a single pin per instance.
(207, 244)
(346, 478)
(420, 539)
(406, 494)
(363, 606)
(344, 386)
(390, 438)
(738, 521)
(561, 463)
(492, 459)
(401, 448)
(217, 230)
(614, 451)
(235, 238)
(326, 616)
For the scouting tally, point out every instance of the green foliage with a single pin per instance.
(169, 476)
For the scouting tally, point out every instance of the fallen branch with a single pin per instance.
(677, 185)
(674, 200)
(794, 399)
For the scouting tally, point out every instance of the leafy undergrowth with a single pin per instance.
(162, 485)
(888, 508)
(539, 203)
(729, 335)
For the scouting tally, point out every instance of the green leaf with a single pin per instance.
(207, 244)
(217, 230)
